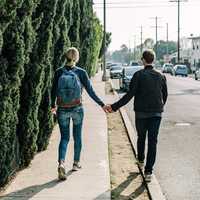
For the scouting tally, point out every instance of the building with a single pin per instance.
(195, 55)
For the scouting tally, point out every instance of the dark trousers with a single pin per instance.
(150, 126)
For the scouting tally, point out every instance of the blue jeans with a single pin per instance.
(64, 117)
(150, 125)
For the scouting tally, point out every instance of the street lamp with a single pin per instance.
(178, 42)
(104, 77)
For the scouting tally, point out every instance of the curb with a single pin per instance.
(153, 188)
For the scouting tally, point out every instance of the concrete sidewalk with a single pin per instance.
(92, 182)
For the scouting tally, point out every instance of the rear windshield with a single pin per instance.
(168, 65)
(181, 67)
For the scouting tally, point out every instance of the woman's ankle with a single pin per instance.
(61, 162)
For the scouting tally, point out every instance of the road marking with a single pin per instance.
(182, 124)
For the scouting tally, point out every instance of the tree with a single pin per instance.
(108, 41)
(162, 48)
(148, 43)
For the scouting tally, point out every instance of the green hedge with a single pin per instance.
(34, 34)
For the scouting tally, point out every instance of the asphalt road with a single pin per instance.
(178, 160)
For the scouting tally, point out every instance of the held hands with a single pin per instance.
(53, 110)
(107, 108)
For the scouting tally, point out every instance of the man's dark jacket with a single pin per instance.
(150, 90)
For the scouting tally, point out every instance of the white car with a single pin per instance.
(168, 68)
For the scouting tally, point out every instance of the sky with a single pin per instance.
(125, 17)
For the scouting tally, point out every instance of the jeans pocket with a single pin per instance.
(78, 115)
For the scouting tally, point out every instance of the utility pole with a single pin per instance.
(178, 40)
(178, 44)
(134, 47)
(167, 39)
(141, 39)
(156, 27)
(104, 77)
(129, 50)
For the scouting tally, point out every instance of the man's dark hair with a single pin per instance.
(148, 56)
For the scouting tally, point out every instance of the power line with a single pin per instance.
(124, 7)
(128, 2)
(135, 2)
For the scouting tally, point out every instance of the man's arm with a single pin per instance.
(164, 90)
(129, 95)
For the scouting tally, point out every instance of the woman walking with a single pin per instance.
(66, 101)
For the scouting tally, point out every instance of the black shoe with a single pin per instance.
(147, 177)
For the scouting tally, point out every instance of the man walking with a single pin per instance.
(150, 91)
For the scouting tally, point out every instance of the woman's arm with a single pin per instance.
(88, 86)
(54, 89)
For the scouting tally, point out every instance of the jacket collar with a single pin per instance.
(148, 67)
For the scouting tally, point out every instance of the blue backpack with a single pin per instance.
(69, 89)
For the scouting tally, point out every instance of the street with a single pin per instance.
(178, 167)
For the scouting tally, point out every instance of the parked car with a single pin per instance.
(110, 65)
(133, 63)
(127, 74)
(197, 74)
(168, 68)
(116, 71)
(181, 70)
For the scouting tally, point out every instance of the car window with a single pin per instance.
(116, 68)
(181, 67)
(131, 71)
(167, 65)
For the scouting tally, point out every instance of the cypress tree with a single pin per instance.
(12, 62)
(91, 37)
(75, 27)
(34, 82)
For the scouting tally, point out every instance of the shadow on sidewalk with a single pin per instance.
(31, 191)
(116, 193)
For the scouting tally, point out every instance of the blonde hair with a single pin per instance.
(72, 56)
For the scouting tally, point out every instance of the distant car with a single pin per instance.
(127, 74)
(197, 74)
(168, 68)
(116, 72)
(181, 70)
(133, 63)
(110, 65)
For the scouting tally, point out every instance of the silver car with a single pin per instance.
(127, 75)
(116, 72)
(181, 70)
(168, 68)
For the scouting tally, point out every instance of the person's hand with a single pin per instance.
(107, 108)
(53, 110)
